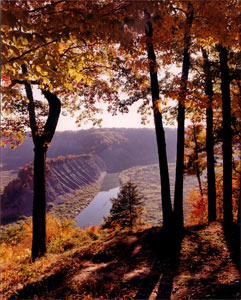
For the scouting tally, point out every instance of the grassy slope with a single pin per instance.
(142, 264)
(6, 177)
(147, 179)
(71, 207)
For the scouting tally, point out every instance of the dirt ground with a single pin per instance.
(150, 264)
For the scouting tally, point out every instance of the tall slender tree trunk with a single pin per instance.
(178, 195)
(209, 140)
(160, 134)
(239, 199)
(39, 201)
(197, 166)
(227, 137)
(41, 142)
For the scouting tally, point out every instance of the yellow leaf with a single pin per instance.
(78, 77)
(38, 69)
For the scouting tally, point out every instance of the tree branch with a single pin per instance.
(180, 9)
(17, 81)
(29, 51)
(31, 107)
(44, 7)
(54, 112)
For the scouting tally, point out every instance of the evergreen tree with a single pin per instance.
(127, 208)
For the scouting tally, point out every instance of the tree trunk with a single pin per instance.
(209, 140)
(239, 199)
(227, 137)
(39, 201)
(198, 173)
(160, 134)
(178, 195)
(41, 143)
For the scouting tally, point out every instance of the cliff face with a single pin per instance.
(64, 175)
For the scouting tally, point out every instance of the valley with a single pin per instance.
(147, 179)
(71, 183)
(74, 180)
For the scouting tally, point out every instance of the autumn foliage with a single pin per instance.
(17, 268)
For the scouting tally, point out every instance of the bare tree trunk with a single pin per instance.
(160, 134)
(178, 195)
(209, 140)
(197, 166)
(41, 143)
(39, 201)
(227, 137)
(239, 200)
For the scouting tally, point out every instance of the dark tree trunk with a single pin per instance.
(160, 134)
(239, 200)
(41, 143)
(209, 140)
(178, 195)
(39, 201)
(197, 166)
(227, 137)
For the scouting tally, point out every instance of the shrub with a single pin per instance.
(127, 208)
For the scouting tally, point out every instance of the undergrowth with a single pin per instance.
(63, 239)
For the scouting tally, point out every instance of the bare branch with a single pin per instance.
(47, 6)
(31, 108)
(180, 9)
(54, 112)
(29, 51)
(16, 81)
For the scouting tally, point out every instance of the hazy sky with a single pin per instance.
(130, 120)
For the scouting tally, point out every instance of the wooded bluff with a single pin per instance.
(120, 148)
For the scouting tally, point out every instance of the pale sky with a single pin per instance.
(129, 120)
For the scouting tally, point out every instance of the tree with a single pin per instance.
(66, 63)
(220, 29)
(178, 195)
(41, 142)
(209, 140)
(194, 162)
(127, 208)
(160, 134)
(227, 136)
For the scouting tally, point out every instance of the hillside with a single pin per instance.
(120, 148)
(66, 177)
(144, 264)
(147, 179)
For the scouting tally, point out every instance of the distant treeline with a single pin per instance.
(120, 148)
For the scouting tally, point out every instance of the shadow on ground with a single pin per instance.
(232, 237)
(149, 264)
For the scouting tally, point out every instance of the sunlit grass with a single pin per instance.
(63, 239)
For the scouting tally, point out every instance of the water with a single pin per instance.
(99, 208)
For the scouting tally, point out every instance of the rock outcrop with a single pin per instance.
(64, 175)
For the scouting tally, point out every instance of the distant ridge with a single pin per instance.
(120, 148)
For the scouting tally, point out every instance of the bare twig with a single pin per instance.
(29, 51)
(47, 6)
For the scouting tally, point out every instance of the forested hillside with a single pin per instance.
(119, 148)
(66, 176)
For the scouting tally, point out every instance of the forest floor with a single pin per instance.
(147, 264)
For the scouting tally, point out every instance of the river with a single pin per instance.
(99, 207)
